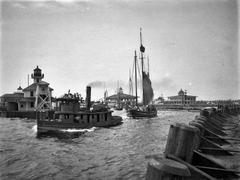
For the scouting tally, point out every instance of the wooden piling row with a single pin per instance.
(196, 145)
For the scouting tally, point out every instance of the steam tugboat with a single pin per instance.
(71, 116)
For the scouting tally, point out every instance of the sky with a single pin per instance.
(191, 44)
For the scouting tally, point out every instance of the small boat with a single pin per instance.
(150, 112)
(147, 110)
(71, 116)
(118, 108)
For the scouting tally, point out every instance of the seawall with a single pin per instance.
(206, 148)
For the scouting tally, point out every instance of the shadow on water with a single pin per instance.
(60, 135)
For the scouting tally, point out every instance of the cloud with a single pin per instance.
(61, 1)
(51, 5)
(164, 83)
(18, 5)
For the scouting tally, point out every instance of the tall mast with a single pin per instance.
(142, 50)
(135, 62)
(130, 83)
(118, 92)
(148, 65)
(28, 79)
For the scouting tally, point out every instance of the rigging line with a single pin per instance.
(144, 66)
(133, 70)
(140, 77)
(133, 73)
(139, 72)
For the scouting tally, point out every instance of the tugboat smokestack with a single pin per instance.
(88, 97)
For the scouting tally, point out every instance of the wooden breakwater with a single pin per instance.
(207, 148)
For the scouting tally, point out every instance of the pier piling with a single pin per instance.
(198, 144)
(166, 169)
(182, 140)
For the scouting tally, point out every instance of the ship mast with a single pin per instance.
(142, 50)
(130, 83)
(148, 65)
(135, 62)
(118, 93)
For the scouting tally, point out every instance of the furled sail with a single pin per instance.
(147, 89)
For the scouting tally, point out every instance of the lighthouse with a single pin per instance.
(38, 94)
(37, 75)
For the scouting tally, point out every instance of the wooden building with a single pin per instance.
(38, 95)
(120, 98)
(181, 99)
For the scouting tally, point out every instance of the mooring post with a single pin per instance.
(161, 168)
(208, 125)
(197, 125)
(204, 113)
(182, 140)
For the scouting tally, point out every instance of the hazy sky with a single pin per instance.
(192, 44)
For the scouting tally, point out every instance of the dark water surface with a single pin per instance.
(98, 153)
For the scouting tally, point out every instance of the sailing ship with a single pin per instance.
(147, 110)
(71, 116)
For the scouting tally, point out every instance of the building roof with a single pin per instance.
(181, 92)
(180, 96)
(120, 96)
(13, 95)
(33, 86)
(191, 96)
(37, 68)
(19, 88)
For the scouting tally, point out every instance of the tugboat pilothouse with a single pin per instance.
(71, 116)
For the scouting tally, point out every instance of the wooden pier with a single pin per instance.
(207, 148)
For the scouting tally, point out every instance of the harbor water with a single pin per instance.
(118, 152)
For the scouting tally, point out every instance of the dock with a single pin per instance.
(206, 148)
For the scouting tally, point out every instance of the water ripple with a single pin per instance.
(97, 153)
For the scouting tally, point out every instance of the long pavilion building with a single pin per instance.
(120, 98)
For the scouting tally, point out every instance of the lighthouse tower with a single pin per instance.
(39, 92)
(43, 94)
(37, 75)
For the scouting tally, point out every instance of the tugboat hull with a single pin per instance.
(46, 125)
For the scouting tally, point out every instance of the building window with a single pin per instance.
(31, 93)
(98, 119)
(105, 115)
(67, 116)
(92, 116)
(75, 120)
(21, 106)
(43, 89)
(32, 104)
(88, 120)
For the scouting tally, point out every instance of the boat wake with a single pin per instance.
(79, 130)
(34, 128)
